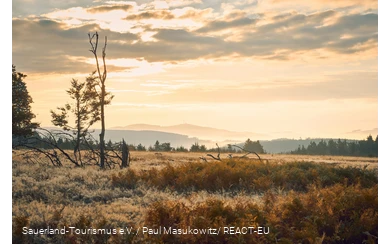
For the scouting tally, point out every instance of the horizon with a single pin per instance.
(290, 70)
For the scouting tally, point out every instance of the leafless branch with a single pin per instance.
(94, 40)
(219, 152)
(248, 152)
(204, 159)
(53, 143)
(52, 156)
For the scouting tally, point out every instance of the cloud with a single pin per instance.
(183, 36)
(356, 44)
(295, 34)
(316, 4)
(372, 131)
(218, 25)
(356, 2)
(39, 7)
(362, 134)
(44, 45)
(282, 36)
(108, 8)
(165, 15)
(301, 32)
(196, 14)
(62, 64)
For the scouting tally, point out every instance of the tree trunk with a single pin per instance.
(125, 154)
(76, 150)
(102, 78)
(102, 144)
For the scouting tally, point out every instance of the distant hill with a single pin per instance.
(205, 133)
(148, 138)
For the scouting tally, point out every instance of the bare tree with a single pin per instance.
(104, 97)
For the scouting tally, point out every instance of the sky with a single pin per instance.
(287, 69)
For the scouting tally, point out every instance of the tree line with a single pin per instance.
(366, 148)
(63, 141)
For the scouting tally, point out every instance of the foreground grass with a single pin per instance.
(300, 202)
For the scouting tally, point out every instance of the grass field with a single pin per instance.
(297, 199)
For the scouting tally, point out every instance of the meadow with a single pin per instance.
(290, 198)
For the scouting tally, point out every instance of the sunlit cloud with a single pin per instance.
(108, 8)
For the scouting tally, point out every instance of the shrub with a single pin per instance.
(336, 214)
(246, 175)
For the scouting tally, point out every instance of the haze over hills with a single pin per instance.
(148, 138)
(186, 135)
(201, 132)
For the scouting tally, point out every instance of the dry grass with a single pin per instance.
(245, 175)
(153, 159)
(141, 160)
(88, 197)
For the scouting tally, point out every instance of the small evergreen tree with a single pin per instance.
(21, 108)
(84, 110)
(141, 148)
(156, 146)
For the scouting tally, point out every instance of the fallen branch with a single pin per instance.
(216, 158)
(49, 138)
(248, 152)
(244, 156)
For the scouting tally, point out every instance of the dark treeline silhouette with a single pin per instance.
(163, 147)
(66, 143)
(367, 147)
